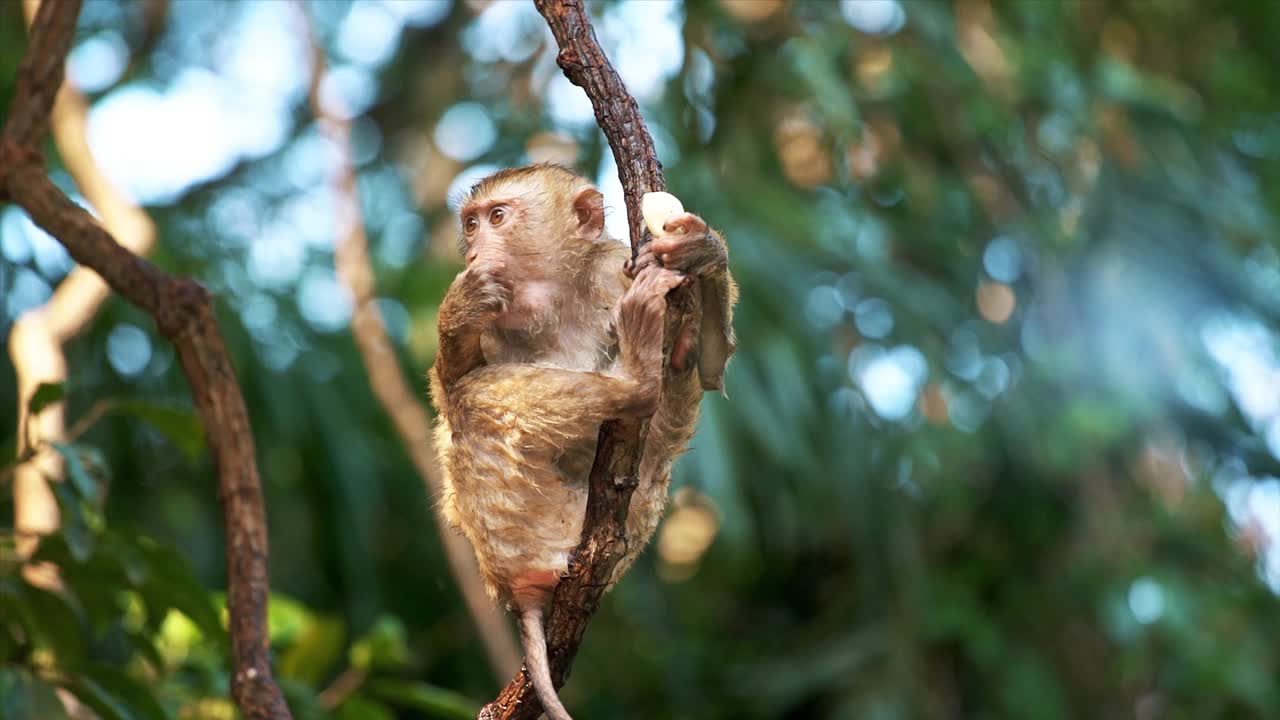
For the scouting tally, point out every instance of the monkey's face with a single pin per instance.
(508, 227)
(538, 224)
(537, 227)
(515, 232)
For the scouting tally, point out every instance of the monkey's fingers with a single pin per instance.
(646, 258)
(658, 280)
(685, 224)
(686, 242)
(685, 258)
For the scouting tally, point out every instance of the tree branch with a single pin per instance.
(183, 312)
(39, 335)
(614, 473)
(40, 74)
(408, 416)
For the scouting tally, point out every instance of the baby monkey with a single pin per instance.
(549, 331)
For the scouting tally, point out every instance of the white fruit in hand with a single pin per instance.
(658, 208)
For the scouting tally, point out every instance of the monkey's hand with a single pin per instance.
(639, 318)
(478, 295)
(688, 245)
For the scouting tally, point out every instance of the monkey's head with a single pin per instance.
(541, 219)
(543, 225)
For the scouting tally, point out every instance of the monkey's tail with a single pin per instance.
(535, 657)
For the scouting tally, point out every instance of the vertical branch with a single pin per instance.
(407, 413)
(184, 313)
(617, 113)
(39, 335)
(614, 473)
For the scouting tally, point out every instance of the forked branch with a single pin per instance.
(183, 312)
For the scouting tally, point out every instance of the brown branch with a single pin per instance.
(39, 335)
(401, 403)
(40, 74)
(184, 313)
(614, 473)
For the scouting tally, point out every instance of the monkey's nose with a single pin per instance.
(471, 256)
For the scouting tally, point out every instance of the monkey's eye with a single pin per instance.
(470, 225)
(497, 215)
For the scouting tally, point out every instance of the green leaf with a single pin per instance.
(182, 425)
(85, 484)
(44, 396)
(75, 527)
(361, 708)
(8, 643)
(146, 647)
(172, 584)
(49, 618)
(316, 651)
(26, 697)
(286, 619)
(97, 581)
(106, 705)
(433, 700)
(136, 698)
(384, 646)
(124, 550)
(303, 700)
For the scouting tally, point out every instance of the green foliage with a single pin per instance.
(44, 396)
(133, 634)
(181, 425)
(25, 697)
(1001, 437)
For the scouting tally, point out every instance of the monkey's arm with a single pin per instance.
(693, 248)
(476, 296)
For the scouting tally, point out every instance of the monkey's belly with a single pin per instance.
(519, 515)
(516, 463)
(516, 474)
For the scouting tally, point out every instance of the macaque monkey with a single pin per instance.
(550, 330)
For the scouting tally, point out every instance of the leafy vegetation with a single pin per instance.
(1001, 439)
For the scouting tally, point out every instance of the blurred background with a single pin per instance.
(1002, 437)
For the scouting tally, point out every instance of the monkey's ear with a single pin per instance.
(588, 206)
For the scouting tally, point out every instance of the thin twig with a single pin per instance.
(82, 426)
(342, 687)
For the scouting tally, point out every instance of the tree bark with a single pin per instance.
(184, 313)
(614, 473)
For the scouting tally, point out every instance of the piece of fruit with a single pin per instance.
(658, 208)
